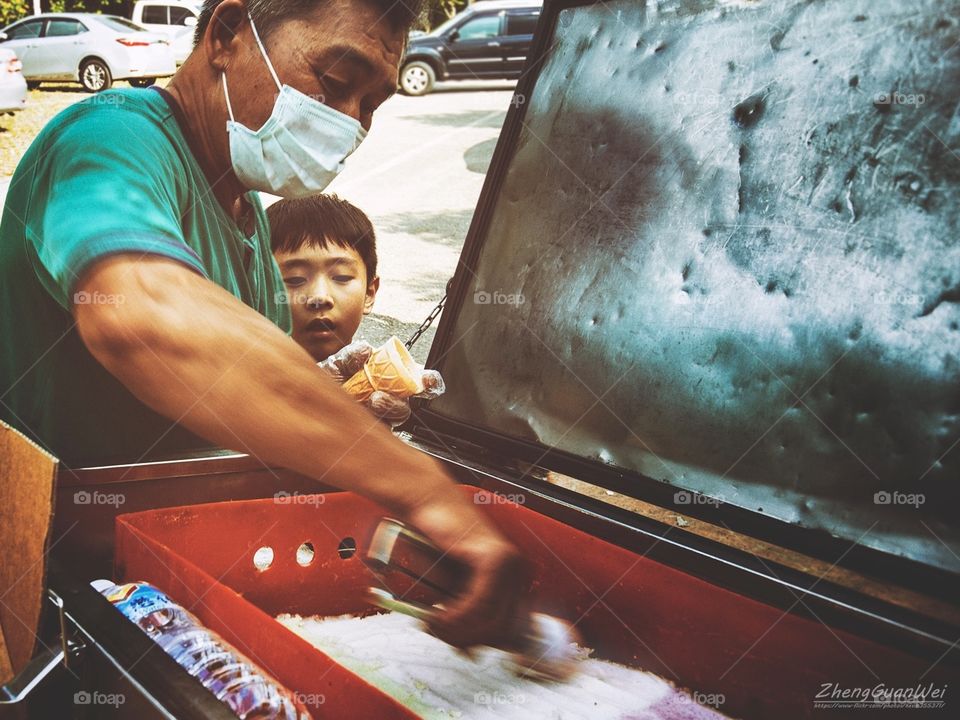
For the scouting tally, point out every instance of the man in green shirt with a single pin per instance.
(140, 307)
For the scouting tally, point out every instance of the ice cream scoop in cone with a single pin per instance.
(390, 369)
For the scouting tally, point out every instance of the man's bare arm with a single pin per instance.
(194, 353)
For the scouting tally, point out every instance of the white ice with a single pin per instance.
(391, 652)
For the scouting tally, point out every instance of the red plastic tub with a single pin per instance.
(765, 662)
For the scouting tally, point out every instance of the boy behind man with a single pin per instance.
(327, 252)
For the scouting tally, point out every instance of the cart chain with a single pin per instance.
(426, 323)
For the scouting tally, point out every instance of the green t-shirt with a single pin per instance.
(111, 174)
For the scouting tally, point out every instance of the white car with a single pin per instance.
(13, 88)
(174, 18)
(93, 50)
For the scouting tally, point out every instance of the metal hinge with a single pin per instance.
(40, 667)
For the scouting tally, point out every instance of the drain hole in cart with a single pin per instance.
(263, 558)
(305, 554)
(347, 548)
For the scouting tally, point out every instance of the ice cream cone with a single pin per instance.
(390, 369)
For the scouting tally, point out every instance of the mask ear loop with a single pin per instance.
(226, 95)
(263, 51)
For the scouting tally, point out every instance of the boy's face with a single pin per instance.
(329, 294)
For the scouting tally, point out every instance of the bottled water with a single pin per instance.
(233, 678)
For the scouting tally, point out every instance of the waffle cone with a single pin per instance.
(389, 369)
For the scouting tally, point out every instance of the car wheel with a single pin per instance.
(417, 78)
(33, 84)
(142, 82)
(95, 76)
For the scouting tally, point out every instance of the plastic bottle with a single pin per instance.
(233, 678)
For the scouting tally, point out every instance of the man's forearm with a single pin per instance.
(196, 354)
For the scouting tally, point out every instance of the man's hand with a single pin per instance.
(494, 605)
(192, 352)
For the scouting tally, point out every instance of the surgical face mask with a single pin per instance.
(301, 147)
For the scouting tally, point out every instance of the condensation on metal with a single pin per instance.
(734, 227)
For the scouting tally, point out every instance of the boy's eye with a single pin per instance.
(294, 281)
(343, 278)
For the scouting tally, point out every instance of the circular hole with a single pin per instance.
(305, 554)
(263, 558)
(347, 548)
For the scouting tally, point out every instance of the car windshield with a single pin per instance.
(120, 24)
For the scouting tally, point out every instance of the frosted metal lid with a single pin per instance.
(717, 252)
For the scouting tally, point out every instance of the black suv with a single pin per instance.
(487, 41)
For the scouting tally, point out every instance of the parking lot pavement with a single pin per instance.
(418, 176)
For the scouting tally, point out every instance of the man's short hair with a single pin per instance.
(320, 220)
(268, 14)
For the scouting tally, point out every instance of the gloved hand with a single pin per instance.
(347, 362)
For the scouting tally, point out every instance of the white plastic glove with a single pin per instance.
(348, 361)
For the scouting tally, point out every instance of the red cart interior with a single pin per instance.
(631, 609)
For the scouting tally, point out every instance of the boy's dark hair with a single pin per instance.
(320, 220)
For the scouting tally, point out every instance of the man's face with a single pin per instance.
(329, 294)
(342, 54)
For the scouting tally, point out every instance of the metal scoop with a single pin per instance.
(406, 561)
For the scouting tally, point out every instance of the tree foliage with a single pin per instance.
(439, 11)
(11, 10)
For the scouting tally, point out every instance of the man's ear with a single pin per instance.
(372, 287)
(220, 38)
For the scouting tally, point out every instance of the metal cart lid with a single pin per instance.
(715, 265)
